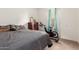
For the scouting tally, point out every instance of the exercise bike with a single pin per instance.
(52, 34)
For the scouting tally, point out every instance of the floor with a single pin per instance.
(64, 44)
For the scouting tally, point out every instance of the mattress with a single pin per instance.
(23, 40)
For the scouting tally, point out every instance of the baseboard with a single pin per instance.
(70, 40)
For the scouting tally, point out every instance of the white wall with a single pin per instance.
(78, 23)
(16, 15)
(68, 23)
(43, 16)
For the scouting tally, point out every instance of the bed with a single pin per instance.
(24, 40)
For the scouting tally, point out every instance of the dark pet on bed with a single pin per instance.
(52, 34)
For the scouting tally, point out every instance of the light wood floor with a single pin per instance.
(64, 44)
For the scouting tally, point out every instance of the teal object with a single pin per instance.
(55, 21)
(49, 18)
(53, 12)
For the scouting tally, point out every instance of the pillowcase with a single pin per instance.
(16, 27)
(4, 28)
(11, 28)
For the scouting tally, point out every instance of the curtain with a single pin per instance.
(52, 19)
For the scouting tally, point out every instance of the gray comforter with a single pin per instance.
(23, 40)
